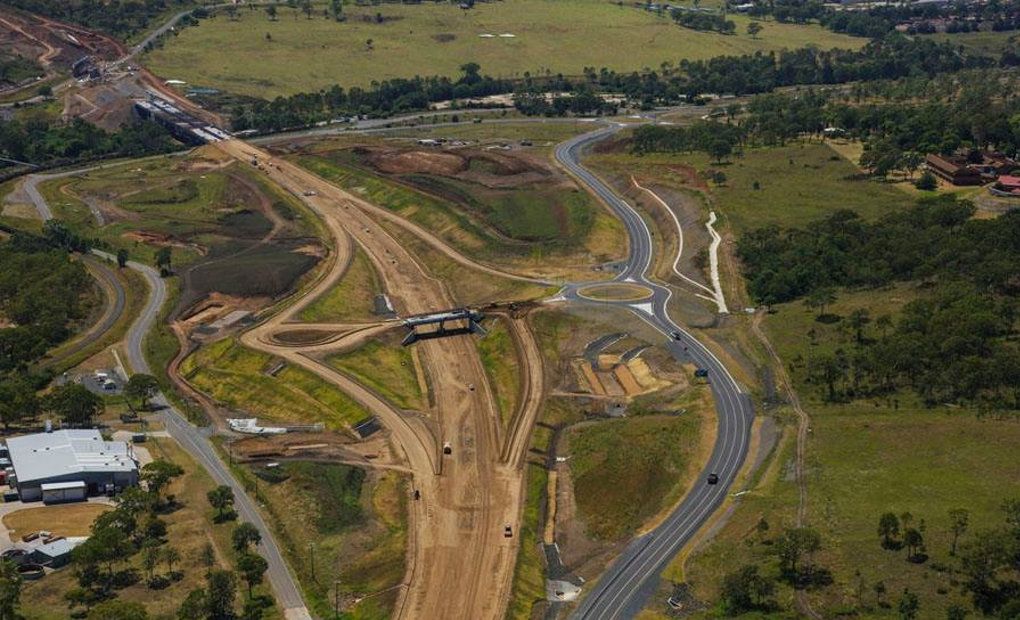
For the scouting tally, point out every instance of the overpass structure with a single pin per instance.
(180, 124)
(467, 321)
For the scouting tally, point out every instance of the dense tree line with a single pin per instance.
(954, 343)
(707, 22)
(118, 18)
(46, 142)
(892, 57)
(42, 293)
(382, 99)
(15, 69)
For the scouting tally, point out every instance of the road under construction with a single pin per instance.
(460, 564)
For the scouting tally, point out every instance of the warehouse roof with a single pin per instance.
(50, 455)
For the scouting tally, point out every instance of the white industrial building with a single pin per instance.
(69, 465)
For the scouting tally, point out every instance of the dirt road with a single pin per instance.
(460, 564)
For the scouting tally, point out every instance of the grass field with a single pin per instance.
(626, 471)
(499, 357)
(293, 54)
(387, 368)
(62, 520)
(989, 43)
(798, 183)
(352, 526)
(864, 459)
(352, 298)
(190, 528)
(237, 377)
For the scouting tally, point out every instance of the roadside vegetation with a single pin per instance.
(256, 383)
(386, 367)
(340, 527)
(351, 299)
(499, 357)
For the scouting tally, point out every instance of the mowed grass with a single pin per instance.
(386, 367)
(62, 520)
(798, 183)
(238, 378)
(352, 298)
(335, 523)
(626, 471)
(257, 57)
(499, 357)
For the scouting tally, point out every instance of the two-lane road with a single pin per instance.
(627, 585)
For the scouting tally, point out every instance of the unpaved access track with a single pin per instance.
(460, 565)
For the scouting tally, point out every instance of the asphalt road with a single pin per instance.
(193, 439)
(627, 585)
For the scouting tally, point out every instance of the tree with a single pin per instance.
(888, 529)
(116, 609)
(245, 535)
(122, 258)
(252, 567)
(221, 498)
(17, 401)
(746, 590)
(271, 12)
(232, 12)
(164, 259)
(306, 8)
(753, 28)
(75, 404)
(208, 555)
(170, 556)
(857, 320)
(908, 605)
(142, 387)
(720, 149)
(795, 544)
(913, 541)
(956, 612)
(821, 298)
(158, 474)
(10, 590)
(150, 558)
(194, 605)
(337, 8)
(926, 182)
(958, 521)
(220, 592)
(879, 590)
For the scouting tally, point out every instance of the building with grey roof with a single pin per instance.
(69, 456)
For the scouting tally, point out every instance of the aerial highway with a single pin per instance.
(629, 582)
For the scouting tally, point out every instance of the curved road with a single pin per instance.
(193, 439)
(628, 584)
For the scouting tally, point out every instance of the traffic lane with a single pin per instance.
(649, 555)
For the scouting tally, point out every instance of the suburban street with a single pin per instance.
(624, 590)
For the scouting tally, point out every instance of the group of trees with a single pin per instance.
(534, 102)
(14, 69)
(133, 527)
(381, 99)
(955, 343)
(716, 139)
(750, 588)
(708, 22)
(48, 142)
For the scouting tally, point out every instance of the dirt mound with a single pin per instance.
(417, 162)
